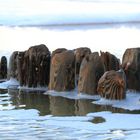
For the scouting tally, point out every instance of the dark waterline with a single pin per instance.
(80, 26)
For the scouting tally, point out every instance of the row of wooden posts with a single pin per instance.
(63, 70)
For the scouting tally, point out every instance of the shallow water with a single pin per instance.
(34, 115)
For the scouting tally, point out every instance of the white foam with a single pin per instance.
(132, 102)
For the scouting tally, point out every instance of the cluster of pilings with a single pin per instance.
(31, 67)
(64, 70)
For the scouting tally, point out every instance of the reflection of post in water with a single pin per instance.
(3, 91)
(84, 106)
(57, 106)
(60, 106)
(14, 97)
(31, 100)
(116, 110)
(112, 109)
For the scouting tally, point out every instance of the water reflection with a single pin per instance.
(60, 106)
(83, 107)
(56, 106)
(31, 100)
(3, 91)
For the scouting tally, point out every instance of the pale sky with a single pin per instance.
(33, 7)
(52, 11)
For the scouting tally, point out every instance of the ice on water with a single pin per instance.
(12, 83)
(72, 95)
(132, 101)
(116, 126)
